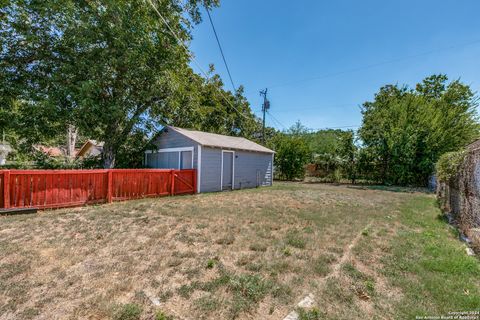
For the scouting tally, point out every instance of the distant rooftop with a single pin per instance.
(50, 151)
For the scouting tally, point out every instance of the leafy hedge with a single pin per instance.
(449, 164)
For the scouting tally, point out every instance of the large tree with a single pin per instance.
(111, 68)
(405, 131)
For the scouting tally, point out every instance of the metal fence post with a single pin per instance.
(6, 189)
(109, 186)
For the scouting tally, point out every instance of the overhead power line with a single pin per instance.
(191, 56)
(327, 128)
(220, 47)
(276, 120)
(333, 74)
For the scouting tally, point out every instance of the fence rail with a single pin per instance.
(45, 189)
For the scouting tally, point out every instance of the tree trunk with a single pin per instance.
(108, 157)
(72, 134)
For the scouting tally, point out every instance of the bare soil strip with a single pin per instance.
(308, 301)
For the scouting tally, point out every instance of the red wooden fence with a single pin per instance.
(44, 189)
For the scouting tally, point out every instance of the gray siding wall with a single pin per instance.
(172, 139)
(211, 169)
(247, 166)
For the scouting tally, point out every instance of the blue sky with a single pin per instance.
(343, 47)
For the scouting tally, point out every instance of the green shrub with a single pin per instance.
(370, 286)
(211, 263)
(292, 155)
(129, 311)
(162, 316)
(252, 287)
(449, 164)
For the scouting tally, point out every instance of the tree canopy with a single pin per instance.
(405, 131)
(113, 70)
(403, 134)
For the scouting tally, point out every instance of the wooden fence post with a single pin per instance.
(6, 189)
(194, 181)
(172, 185)
(109, 186)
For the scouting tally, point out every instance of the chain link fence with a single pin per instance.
(460, 197)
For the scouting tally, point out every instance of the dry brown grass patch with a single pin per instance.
(248, 254)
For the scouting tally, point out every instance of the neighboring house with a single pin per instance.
(5, 149)
(50, 151)
(91, 148)
(222, 162)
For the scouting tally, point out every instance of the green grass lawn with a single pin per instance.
(364, 253)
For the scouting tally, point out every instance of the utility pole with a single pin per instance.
(265, 107)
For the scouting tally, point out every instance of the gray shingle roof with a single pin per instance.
(221, 141)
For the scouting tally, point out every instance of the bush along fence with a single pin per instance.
(47, 189)
(458, 190)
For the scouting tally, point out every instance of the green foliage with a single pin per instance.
(128, 311)
(427, 248)
(207, 304)
(159, 315)
(404, 131)
(334, 154)
(211, 263)
(292, 155)
(448, 165)
(295, 239)
(251, 287)
(287, 252)
(321, 265)
(113, 70)
(313, 314)
(43, 161)
(247, 291)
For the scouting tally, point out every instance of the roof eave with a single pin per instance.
(241, 149)
(212, 146)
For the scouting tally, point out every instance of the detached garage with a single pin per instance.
(222, 162)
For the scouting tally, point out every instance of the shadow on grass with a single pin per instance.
(17, 211)
(392, 188)
(374, 187)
